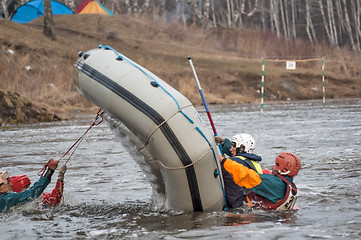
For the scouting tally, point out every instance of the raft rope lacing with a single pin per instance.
(121, 57)
(184, 167)
(166, 120)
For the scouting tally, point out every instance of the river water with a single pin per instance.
(107, 196)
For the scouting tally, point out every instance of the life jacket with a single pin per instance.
(237, 195)
(286, 203)
(252, 164)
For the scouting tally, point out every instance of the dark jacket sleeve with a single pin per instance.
(226, 147)
(9, 200)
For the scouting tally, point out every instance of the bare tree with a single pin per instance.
(331, 21)
(337, 21)
(356, 13)
(127, 6)
(5, 9)
(251, 10)
(274, 16)
(348, 27)
(263, 17)
(325, 24)
(70, 4)
(48, 21)
(145, 6)
(293, 19)
(309, 25)
(213, 14)
(229, 13)
(283, 19)
(206, 11)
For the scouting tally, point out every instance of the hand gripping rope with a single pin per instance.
(98, 120)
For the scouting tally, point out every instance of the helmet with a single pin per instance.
(19, 181)
(287, 164)
(246, 140)
(4, 177)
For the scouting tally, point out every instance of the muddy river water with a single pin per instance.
(107, 196)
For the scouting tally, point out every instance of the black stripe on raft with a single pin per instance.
(157, 119)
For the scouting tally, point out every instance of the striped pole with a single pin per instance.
(204, 101)
(323, 85)
(262, 86)
(212, 124)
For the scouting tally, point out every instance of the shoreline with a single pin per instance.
(73, 113)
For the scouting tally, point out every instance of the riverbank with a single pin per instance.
(228, 62)
(15, 109)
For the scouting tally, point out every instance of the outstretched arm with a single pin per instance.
(9, 200)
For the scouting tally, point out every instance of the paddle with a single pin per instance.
(204, 101)
(211, 121)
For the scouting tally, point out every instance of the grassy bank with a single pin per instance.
(228, 62)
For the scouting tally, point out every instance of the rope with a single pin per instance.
(42, 171)
(301, 60)
(61, 191)
(166, 120)
(184, 167)
(77, 142)
(94, 123)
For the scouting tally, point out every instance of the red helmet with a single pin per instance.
(19, 181)
(287, 164)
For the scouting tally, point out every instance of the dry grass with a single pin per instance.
(228, 62)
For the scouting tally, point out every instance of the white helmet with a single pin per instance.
(246, 140)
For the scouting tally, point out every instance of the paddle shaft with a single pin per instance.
(219, 172)
(202, 96)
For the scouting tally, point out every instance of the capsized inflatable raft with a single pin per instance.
(161, 119)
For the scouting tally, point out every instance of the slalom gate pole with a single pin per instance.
(204, 100)
(262, 86)
(323, 85)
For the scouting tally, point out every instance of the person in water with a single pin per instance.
(22, 182)
(268, 191)
(240, 149)
(10, 199)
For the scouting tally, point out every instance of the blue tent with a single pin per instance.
(34, 9)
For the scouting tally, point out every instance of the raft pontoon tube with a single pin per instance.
(163, 119)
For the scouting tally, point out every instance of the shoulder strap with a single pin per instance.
(294, 189)
(252, 164)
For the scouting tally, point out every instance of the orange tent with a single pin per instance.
(94, 7)
(81, 6)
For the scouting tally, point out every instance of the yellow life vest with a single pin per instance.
(252, 164)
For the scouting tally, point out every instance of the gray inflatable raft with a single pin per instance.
(163, 120)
